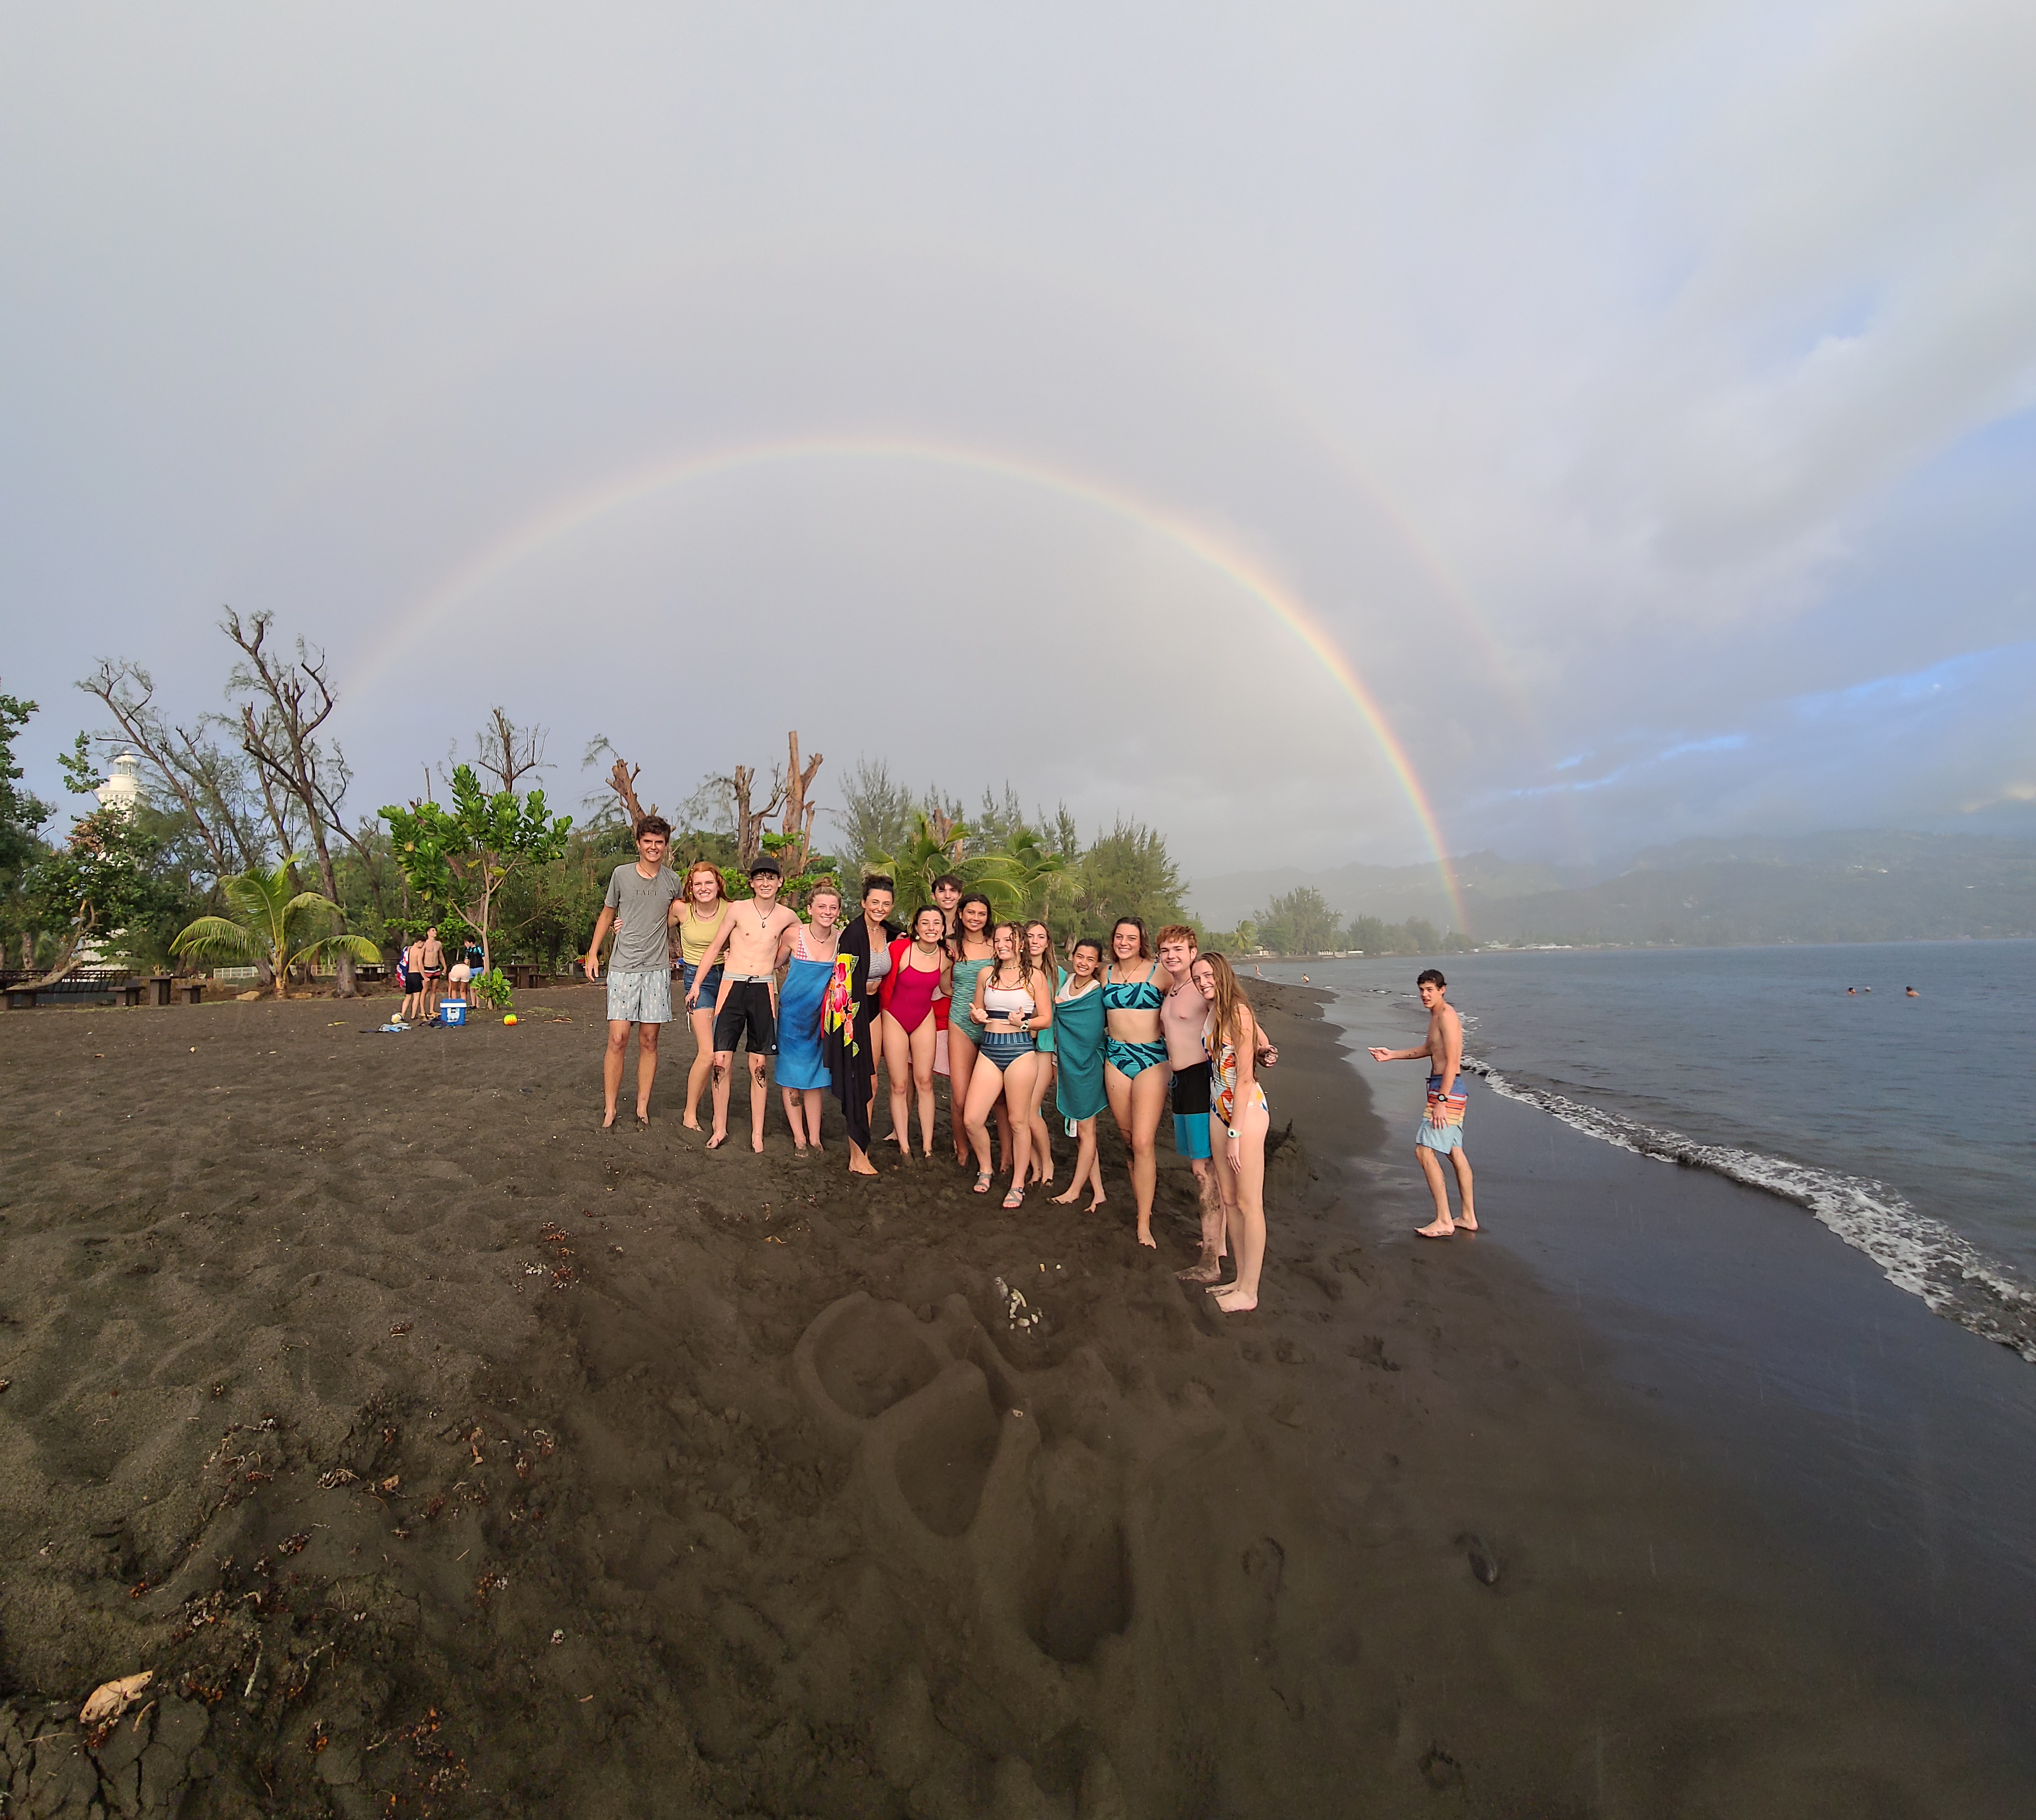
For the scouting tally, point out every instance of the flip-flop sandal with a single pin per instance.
(982, 1182)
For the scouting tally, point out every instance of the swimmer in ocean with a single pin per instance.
(1912, 991)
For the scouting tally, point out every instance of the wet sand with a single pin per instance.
(432, 1446)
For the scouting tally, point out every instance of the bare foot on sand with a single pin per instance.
(861, 1166)
(1068, 1199)
(1467, 1222)
(690, 1124)
(1145, 1235)
(1208, 1271)
(1439, 1229)
(715, 1142)
(608, 1123)
(1233, 1301)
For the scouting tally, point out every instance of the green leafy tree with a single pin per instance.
(937, 845)
(21, 818)
(273, 926)
(458, 859)
(875, 819)
(1127, 872)
(104, 879)
(1023, 878)
(1300, 923)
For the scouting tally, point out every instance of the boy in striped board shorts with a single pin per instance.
(1441, 1131)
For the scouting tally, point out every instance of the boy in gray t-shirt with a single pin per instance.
(643, 901)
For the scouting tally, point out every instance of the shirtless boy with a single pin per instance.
(746, 1008)
(434, 970)
(413, 983)
(643, 900)
(1181, 1020)
(1441, 1133)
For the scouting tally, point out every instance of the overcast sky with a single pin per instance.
(1638, 399)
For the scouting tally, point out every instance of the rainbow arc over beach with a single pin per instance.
(564, 517)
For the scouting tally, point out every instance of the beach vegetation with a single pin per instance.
(1299, 923)
(22, 816)
(273, 925)
(458, 859)
(1127, 872)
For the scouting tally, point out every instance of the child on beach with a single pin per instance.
(1441, 1132)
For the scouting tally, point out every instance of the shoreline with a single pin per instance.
(1219, 1564)
(1844, 1412)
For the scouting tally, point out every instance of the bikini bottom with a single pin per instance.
(1132, 1059)
(1004, 1048)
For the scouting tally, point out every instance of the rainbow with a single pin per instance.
(567, 516)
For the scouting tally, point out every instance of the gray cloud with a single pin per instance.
(1598, 378)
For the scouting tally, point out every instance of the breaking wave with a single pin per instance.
(1913, 1251)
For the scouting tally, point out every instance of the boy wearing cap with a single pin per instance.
(747, 1006)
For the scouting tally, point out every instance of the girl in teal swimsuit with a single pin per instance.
(1134, 1071)
(970, 947)
(1039, 953)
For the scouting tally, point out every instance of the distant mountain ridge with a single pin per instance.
(1873, 885)
(1394, 893)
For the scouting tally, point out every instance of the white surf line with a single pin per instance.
(1914, 1252)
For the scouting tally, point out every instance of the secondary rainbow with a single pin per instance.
(566, 517)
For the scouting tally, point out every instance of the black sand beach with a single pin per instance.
(440, 1453)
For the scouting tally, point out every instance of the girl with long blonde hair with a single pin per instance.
(1231, 1036)
(706, 899)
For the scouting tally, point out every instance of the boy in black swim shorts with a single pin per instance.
(746, 1008)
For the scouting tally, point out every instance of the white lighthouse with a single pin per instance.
(123, 789)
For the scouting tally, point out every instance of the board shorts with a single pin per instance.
(745, 1014)
(1448, 1135)
(1190, 1098)
(643, 997)
(413, 983)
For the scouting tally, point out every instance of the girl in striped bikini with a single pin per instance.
(1134, 1072)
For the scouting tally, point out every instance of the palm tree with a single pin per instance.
(1022, 878)
(269, 926)
(934, 847)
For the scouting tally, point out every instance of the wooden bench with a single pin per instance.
(193, 990)
(524, 978)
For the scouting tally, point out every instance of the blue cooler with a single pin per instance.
(453, 1010)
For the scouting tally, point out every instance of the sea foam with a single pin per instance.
(1914, 1252)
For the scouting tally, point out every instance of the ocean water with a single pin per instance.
(1907, 1126)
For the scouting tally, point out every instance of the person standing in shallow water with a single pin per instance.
(643, 901)
(1441, 1132)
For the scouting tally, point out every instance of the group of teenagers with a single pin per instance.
(1148, 1025)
